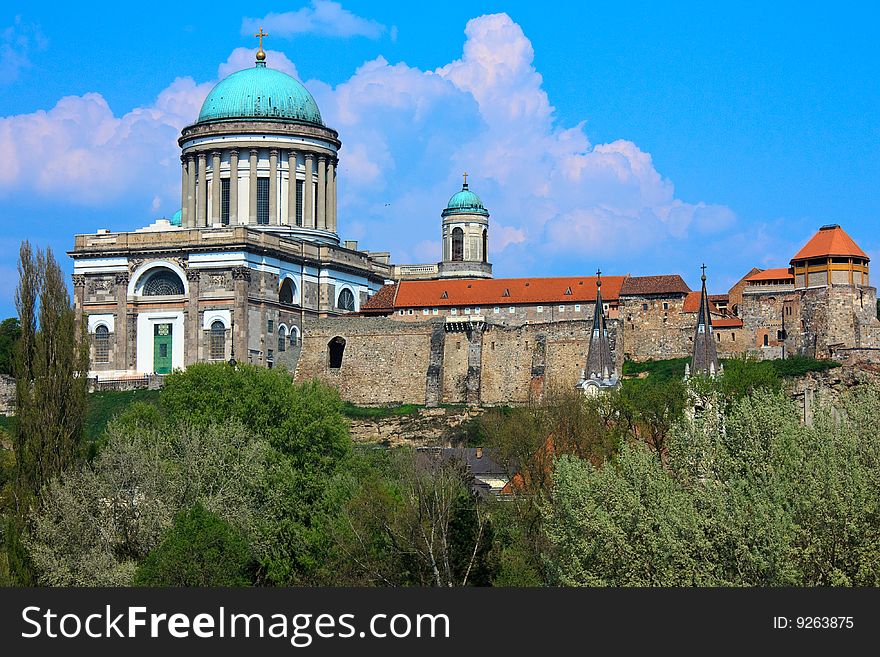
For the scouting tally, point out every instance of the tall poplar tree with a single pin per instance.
(51, 364)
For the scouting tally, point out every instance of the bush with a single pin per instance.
(201, 549)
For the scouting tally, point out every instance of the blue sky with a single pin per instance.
(640, 138)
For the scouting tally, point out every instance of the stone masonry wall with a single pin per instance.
(656, 327)
(387, 362)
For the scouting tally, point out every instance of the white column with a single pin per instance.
(252, 196)
(322, 193)
(215, 188)
(331, 195)
(273, 187)
(233, 188)
(308, 196)
(291, 188)
(202, 194)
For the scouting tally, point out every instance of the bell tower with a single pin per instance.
(465, 236)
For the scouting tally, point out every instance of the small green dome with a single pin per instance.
(257, 93)
(465, 202)
(177, 218)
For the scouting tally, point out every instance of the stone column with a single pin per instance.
(241, 277)
(184, 190)
(233, 187)
(331, 195)
(291, 188)
(190, 192)
(215, 188)
(202, 194)
(321, 221)
(192, 329)
(273, 187)
(121, 329)
(252, 195)
(308, 195)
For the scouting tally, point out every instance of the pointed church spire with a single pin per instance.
(704, 359)
(599, 362)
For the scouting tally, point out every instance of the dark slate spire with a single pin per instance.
(704, 360)
(599, 362)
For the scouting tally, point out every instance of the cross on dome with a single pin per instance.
(261, 55)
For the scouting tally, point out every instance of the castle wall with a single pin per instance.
(656, 327)
(389, 362)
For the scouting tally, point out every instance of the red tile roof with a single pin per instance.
(504, 291)
(642, 285)
(382, 301)
(777, 274)
(830, 241)
(692, 304)
(724, 298)
(727, 322)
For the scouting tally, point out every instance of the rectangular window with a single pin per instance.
(540, 309)
(300, 191)
(496, 310)
(477, 310)
(410, 311)
(665, 305)
(224, 201)
(400, 312)
(467, 311)
(732, 336)
(263, 201)
(562, 309)
(435, 311)
(512, 310)
(577, 308)
(424, 311)
(644, 306)
(454, 311)
(270, 355)
(270, 326)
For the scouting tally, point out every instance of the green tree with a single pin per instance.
(50, 367)
(10, 332)
(201, 549)
(305, 426)
(627, 524)
(648, 410)
(97, 522)
(409, 518)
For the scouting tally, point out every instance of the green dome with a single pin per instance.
(257, 93)
(465, 202)
(177, 218)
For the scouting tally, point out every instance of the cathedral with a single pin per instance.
(252, 269)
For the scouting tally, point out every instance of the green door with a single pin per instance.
(162, 349)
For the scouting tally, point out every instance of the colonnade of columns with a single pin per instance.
(318, 193)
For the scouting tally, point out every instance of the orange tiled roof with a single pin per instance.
(504, 291)
(777, 274)
(665, 284)
(830, 241)
(727, 322)
(382, 301)
(692, 304)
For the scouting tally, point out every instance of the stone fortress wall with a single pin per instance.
(388, 362)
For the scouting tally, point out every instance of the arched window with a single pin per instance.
(102, 344)
(766, 340)
(335, 350)
(346, 300)
(218, 341)
(282, 338)
(457, 244)
(163, 282)
(287, 292)
(485, 246)
(294, 336)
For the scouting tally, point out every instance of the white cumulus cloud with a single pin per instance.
(322, 17)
